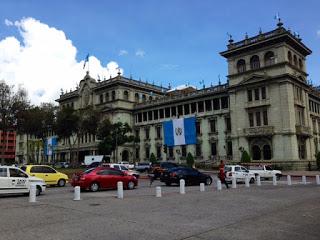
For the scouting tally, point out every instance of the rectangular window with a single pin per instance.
(167, 112)
(256, 94)
(173, 111)
(216, 104)
(198, 150)
(200, 106)
(229, 148)
(158, 151)
(228, 124)
(213, 149)
(139, 117)
(147, 152)
(180, 110)
(186, 109)
(171, 152)
(137, 153)
(265, 117)
(145, 116)
(159, 132)
(155, 114)
(208, 105)
(198, 128)
(147, 132)
(224, 102)
(193, 108)
(263, 93)
(101, 98)
(137, 132)
(251, 120)
(150, 115)
(258, 120)
(213, 125)
(183, 150)
(249, 95)
(161, 113)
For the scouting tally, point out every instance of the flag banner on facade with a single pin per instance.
(50, 145)
(86, 60)
(181, 131)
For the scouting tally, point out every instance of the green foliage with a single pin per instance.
(318, 160)
(67, 122)
(190, 160)
(245, 157)
(153, 158)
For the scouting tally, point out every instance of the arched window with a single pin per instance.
(241, 66)
(266, 152)
(256, 152)
(300, 64)
(136, 97)
(295, 61)
(144, 98)
(255, 62)
(290, 57)
(125, 95)
(150, 98)
(269, 58)
(113, 95)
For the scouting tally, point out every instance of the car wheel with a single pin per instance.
(94, 187)
(130, 185)
(252, 180)
(208, 181)
(278, 176)
(61, 183)
(168, 183)
(38, 191)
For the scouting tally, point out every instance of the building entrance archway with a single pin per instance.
(125, 156)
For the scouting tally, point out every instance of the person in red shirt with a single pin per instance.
(222, 174)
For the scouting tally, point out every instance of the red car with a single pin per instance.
(98, 178)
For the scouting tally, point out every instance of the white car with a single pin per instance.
(264, 171)
(14, 180)
(239, 172)
(123, 168)
(127, 165)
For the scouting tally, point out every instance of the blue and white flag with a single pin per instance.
(181, 131)
(50, 145)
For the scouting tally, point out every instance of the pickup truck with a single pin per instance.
(264, 171)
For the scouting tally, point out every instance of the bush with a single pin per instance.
(318, 160)
(245, 157)
(190, 160)
(153, 158)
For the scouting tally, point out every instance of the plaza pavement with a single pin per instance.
(266, 212)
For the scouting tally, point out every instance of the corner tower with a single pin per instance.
(268, 97)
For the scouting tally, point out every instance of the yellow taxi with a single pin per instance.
(47, 173)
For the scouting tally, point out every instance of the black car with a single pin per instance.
(190, 175)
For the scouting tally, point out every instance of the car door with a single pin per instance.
(4, 180)
(117, 176)
(19, 180)
(238, 173)
(245, 173)
(193, 176)
(50, 175)
(104, 178)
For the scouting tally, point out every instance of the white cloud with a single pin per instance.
(318, 33)
(8, 22)
(45, 61)
(123, 52)
(140, 53)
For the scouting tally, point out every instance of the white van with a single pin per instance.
(14, 180)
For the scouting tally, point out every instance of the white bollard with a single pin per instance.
(258, 180)
(158, 191)
(317, 179)
(304, 180)
(247, 181)
(76, 194)
(120, 190)
(182, 186)
(234, 182)
(274, 180)
(32, 193)
(202, 187)
(219, 187)
(289, 180)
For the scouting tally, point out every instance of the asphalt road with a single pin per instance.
(266, 212)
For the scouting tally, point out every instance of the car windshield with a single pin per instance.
(227, 169)
(269, 168)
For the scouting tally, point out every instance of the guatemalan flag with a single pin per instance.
(181, 131)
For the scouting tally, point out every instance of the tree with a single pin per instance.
(153, 158)
(190, 160)
(112, 136)
(11, 104)
(245, 157)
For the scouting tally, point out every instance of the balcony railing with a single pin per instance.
(259, 131)
(303, 130)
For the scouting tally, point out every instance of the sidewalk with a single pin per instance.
(301, 173)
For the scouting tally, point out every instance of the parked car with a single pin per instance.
(127, 164)
(239, 172)
(142, 166)
(190, 175)
(123, 169)
(264, 171)
(98, 178)
(47, 173)
(14, 180)
(62, 165)
(158, 169)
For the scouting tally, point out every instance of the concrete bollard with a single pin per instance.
(258, 180)
(182, 186)
(304, 179)
(76, 194)
(32, 193)
(219, 187)
(247, 182)
(120, 190)
(289, 180)
(234, 182)
(317, 179)
(274, 180)
(158, 191)
(202, 187)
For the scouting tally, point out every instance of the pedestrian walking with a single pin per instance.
(222, 174)
(151, 178)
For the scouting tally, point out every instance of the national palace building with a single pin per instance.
(266, 107)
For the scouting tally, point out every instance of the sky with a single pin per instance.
(44, 44)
